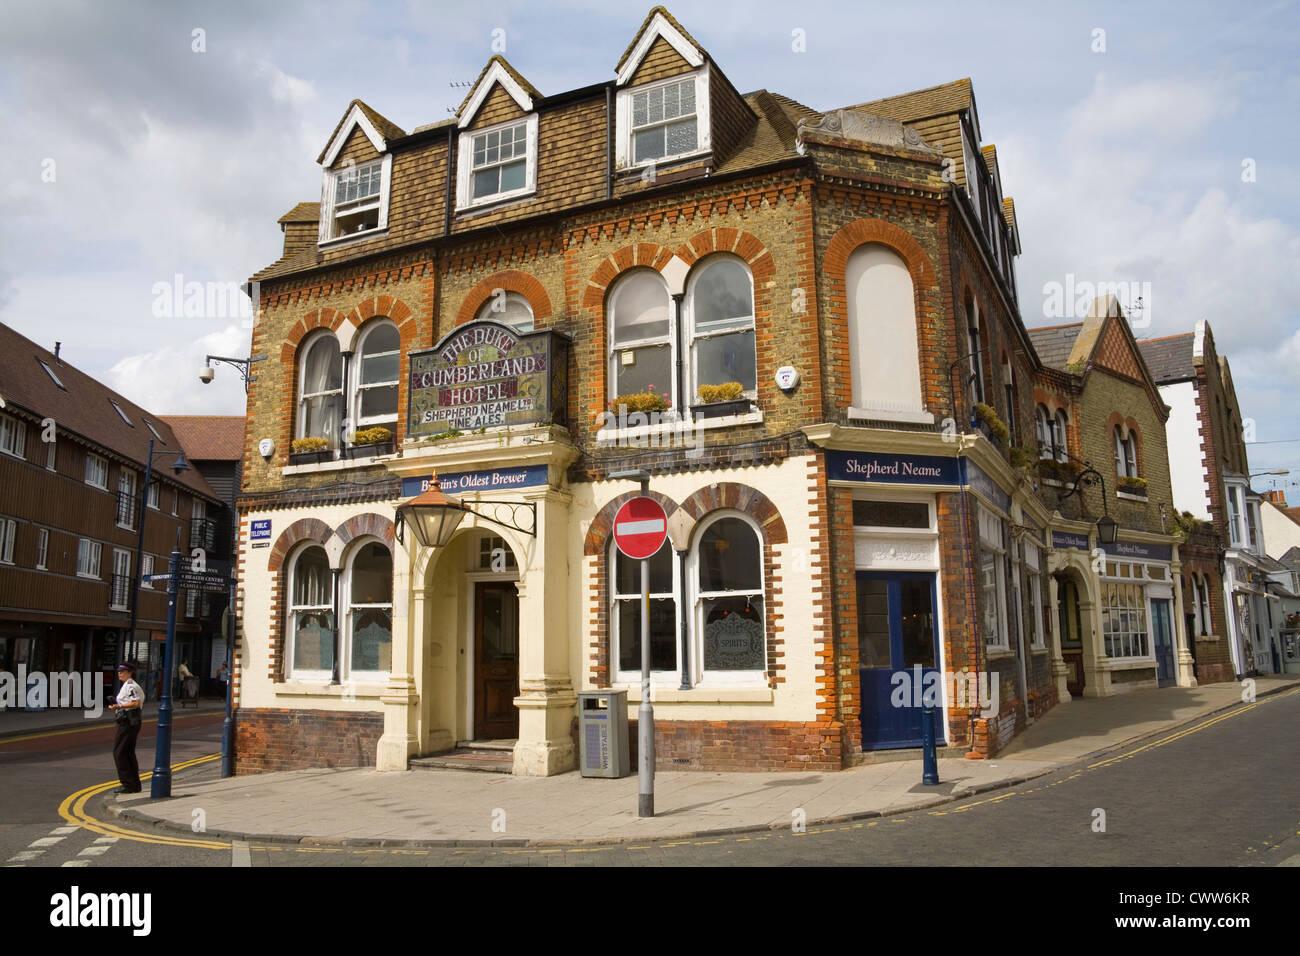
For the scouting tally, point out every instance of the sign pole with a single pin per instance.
(160, 786)
(645, 715)
(228, 727)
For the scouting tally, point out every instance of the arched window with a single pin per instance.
(1058, 436)
(508, 308)
(311, 615)
(320, 390)
(378, 371)
(641, 351)
(720, 312)
(1125, 454)
(1207, 625)
(369, 589)
(885, 366)
(1043, 431)
(729, 597)
(625, 621)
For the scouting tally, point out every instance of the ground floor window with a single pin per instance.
(992, 581)
(1034, 584)
(1124, 620)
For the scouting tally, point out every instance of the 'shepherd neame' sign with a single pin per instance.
(485, 374)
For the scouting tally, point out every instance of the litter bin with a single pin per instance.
(602, 733)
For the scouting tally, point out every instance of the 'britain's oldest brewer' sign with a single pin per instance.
(485, 374)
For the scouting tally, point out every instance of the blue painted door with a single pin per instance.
(897, 633)
(1162, 635)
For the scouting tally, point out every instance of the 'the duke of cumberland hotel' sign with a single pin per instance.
(484, 374)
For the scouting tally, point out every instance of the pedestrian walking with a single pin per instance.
(130, 700)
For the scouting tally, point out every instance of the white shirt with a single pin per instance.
(130, 691)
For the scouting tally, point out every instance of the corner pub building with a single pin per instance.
(788, 318)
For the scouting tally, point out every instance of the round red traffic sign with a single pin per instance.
(640, 527)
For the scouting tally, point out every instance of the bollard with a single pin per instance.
(929, 756)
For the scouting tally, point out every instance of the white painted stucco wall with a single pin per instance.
(1183, 437)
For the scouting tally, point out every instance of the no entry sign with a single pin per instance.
(640, 527)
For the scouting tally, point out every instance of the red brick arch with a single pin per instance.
(644, 254)
(385, 305)
(730, 494)
(736, 241)
(316, 319)
(511, 280)
(304, 529)
(602, 525)
(836, 258)
(366, 524)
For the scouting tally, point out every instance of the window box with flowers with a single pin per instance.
(369, 442)
(719, 401)
(310, 451)
(1132, 487)
(987, 420)
(1057, 473)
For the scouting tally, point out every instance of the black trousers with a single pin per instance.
(128, 768)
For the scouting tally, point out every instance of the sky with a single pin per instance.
(154, 144)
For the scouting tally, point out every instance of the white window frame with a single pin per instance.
(121, 567)
(96, 468)
(692, 336)
(356, 388)
(1236, 527)
(146, 569)
(303, 396)
(623, 147)
(720, 678)
(291, 628)
(632, 678)
(154, 495)
(89, 554)
(13, 436)
(330, 212)
(1136, 579)
(1060, 424)
(1125, 454)
(614, 352)
(1034, 577)
(488, 313)
(465, 164)
(993, 540)
(1043, 426)
(42, 547)
(8, 535)
(346, 607)
(52, 454)
(126, 482)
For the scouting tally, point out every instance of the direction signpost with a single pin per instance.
(640, 528)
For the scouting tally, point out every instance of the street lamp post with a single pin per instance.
(178, 467)
(161, 784)
(1107, 527)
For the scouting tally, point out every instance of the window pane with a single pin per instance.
(627, 572)
(512, 309)
(487, 183)
(918, 623)
(640, 305)
(873, 624)
(512, 176)
(656, 104)
(649, 144)
(688, 97)
(383, 338)
(891, 514)
(733, 634)
(379, 368)
(726, 358)
(640, 108)
(681, 137)
(379, 401)
(311, 579)
(321, 417)
(313, 641)
(663, 635)
(372, 639)
(651, 371)
(372, 576)
(729, 557)
(721, 297)
(324, 370)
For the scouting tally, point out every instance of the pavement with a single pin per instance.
(20, 723)
(422, 808)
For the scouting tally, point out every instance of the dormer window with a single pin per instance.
(662, 121)
(356, 198)
(496, 163)
(354, 195)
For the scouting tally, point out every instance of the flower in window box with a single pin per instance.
(303, 445)
(726, 392)
(640, 402)
(1136, 486)
(372, 436)
(996, 426)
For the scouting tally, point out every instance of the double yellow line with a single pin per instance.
(73, 809)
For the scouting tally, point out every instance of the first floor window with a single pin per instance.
(153, 495)
(1034, 581)
(1058, 436)
(42, 547)
(377, 375)
(664, 121)
(508, 308)
(97, 472)
(146, 569)
(320, 390)
(500, 161)
(993, 579)
(121, 586)
(641, 351)
(311, 613)
(720, 308)
(8, 532)
(13, 436)
(126, 498)
(88, 554)
(1043, 429)
(1124, 619)
(1125, 454)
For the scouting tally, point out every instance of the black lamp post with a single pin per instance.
(434, 516)
(1107, 527)
(179, 466)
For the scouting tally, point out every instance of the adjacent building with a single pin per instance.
(72, 470)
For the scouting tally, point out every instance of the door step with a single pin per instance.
(488, 759)
(502, 744)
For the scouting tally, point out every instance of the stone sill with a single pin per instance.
(353, 237)
(1205, 637)
(625, 436)
(1131, 496)
(702, 695)
(1125, 664)
(340, 464)
(998, 653)
(310, 689)
(890, 415)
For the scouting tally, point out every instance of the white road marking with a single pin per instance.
(25, 855)
(94, 851)
(239, 855)
(107, 840)
(64, 831)
(46, 841)
(77, 863)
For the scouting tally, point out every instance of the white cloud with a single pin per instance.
(166, 380)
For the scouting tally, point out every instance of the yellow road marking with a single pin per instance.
(81, 730)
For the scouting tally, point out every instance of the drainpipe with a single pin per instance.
(609, 142)
(338, 649)
(685, 628)
(446, 202)
(682, 401)
(974, 613)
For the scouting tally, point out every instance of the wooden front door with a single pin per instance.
(496, 660)
(897, 633)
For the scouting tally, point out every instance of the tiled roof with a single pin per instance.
(1009, 212)
(384, 126)
(1169, 358)
(83, 406)
(514, 74)
(921, 104)
(209, 437)
(303, 212)
(1291, 558)
(1055, 343)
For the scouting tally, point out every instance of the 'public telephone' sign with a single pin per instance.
(640, 528)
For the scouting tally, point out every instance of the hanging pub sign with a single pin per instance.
(484, 374)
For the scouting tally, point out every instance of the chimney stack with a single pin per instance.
(57, 346)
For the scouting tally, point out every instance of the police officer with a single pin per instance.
(129, 701)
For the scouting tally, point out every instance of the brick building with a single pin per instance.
(802, 324)
(1211, 485)
(72, 465)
